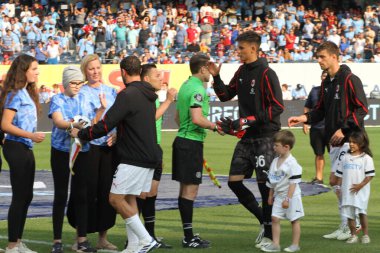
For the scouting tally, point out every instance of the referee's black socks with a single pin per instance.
(147, 207)
(185, 207)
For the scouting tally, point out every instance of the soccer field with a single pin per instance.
(230, 228)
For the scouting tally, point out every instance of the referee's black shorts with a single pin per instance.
(253, 155)
(187, 162)
(318, 141)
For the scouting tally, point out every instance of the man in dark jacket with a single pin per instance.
(260, 106)
(133, 113)
(343, 105)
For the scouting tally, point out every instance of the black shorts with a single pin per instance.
(318, 141)
(250, 155)
(158, 170)
(187, 161)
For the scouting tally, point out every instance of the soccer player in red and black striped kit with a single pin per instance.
(343, 105)
(260, 105)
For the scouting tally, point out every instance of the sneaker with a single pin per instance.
(345, 234)
(264, 242)
(74, 247)
(12, 250)
(22, 248)
(316, 181)
(57, 248)
(271, 248)
(353, 239)
(260, 235)
(196, 243)
(162, 244)
(202, 240)
(85, 247)
(145, 247)
(292, 248)
(334, 234)
(365, 239)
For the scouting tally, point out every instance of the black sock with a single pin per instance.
(185, 207)
(140, 204)
(149, 214)
(247, 199)
(267, 210)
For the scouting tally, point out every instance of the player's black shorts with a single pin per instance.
(250, 155)
(318, 141)
(158, 170)
(187, 162)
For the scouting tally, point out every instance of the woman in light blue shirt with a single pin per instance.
(19, 109)
(63, 108)
(103, 163)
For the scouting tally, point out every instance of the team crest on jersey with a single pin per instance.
(198, 174)
(198, 97)
(337, 92)
(252, 92)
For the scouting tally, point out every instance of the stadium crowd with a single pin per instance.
(169, 32)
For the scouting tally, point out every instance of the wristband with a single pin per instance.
(287, 199)
(215, 128)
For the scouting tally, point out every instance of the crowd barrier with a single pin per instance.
(230, 109)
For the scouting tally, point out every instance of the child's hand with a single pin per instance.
(285, 204)
(270, 201)
(355, 188)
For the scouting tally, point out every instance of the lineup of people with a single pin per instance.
(121, 135)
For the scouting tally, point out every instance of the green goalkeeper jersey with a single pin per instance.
(192, 94)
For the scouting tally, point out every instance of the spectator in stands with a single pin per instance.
(8, 43)
(6, 60)
(100, 37)
(194, 47)
(110, 55)
(290, 40)
(143, 34)
(299, 93)
(286, 94)
(44, 95)
(86, 44)
(181, 37)
(53, 51)
(206, 33)
(41, 53)
(120, 35)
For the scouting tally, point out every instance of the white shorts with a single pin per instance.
(294, 212)
(131, 180)
(336, 154)
(352, 212)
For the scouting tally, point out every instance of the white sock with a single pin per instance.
(135, 225)
(133, 240)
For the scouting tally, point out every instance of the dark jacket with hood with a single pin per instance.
(342, 103)
(259, 95)
(133, 113)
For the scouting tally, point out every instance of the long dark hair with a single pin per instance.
(15, 80)
(360, 137)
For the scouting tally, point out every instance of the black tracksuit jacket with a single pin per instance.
(259, 95)
(342, 103)
(133, 113)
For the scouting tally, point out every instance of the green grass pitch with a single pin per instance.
(230, 228)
